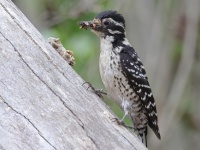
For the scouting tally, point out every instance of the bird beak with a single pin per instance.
(95, 24)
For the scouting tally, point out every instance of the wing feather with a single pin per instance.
(134, 71)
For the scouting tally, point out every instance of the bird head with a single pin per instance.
(107, 23)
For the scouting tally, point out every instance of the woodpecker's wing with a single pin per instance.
(134, 71)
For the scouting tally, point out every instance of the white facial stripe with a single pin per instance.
(117, 23)
(114, 32)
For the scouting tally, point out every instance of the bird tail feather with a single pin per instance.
(143, 137)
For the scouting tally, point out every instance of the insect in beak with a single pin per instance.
(90, 24)
(86, 24)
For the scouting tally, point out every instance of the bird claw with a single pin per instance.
(98, 92)
(120, 122)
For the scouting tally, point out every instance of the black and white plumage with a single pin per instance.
(123, 73)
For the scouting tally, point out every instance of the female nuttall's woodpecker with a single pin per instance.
(123, 73)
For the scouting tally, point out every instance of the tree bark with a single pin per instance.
(43, 104)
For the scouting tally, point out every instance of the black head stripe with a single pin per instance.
(106, 14)
(117, 28)
(111, 14)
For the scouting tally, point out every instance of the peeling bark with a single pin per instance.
(43, 104)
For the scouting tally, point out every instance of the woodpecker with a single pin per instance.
(123, 73)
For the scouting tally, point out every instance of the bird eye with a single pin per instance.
(106, 22)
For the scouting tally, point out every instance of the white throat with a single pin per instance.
(106, 43)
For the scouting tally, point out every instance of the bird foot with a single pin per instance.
(98, 92)
(120, 122)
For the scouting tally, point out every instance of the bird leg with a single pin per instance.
(98, 92)
(121, 121)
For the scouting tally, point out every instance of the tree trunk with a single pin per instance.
(43, 104)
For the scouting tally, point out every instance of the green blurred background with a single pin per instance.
(166, 35)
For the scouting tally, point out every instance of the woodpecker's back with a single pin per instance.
(123, 73)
